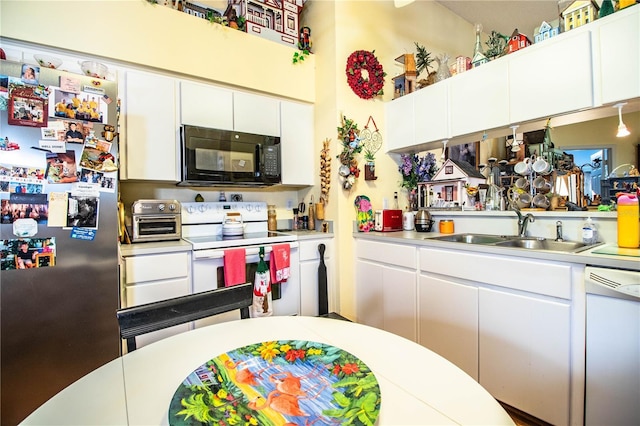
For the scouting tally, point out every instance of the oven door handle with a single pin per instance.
(219, 253)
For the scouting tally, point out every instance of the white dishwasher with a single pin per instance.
(612, 387)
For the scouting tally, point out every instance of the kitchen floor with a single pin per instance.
(520, 418)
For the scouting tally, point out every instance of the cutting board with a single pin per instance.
(617, 251)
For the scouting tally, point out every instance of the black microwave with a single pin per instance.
(224, 157)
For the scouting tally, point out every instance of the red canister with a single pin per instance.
(446, 226)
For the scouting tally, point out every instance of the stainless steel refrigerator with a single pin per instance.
(58, 315)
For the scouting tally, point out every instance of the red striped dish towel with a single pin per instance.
(280, 263)
(235, 267)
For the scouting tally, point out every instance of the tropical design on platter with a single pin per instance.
(286, 382)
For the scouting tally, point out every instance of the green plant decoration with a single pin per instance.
(497, 45)
(423, 59)
(298, 56)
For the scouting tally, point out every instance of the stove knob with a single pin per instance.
(161, 207)
(202, 208)
(172, 207)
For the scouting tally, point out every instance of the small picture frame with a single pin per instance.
(467, 152)
(26, 108)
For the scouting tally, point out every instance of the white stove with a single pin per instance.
(202, 225)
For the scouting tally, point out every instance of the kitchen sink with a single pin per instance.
(529, 243)
(544, 244)
(472, 238)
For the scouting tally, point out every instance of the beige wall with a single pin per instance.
(338, 29)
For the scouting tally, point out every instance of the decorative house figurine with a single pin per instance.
(199, 11)
(274, 20)
(546, 30)
(446, 190)
(405, 82)
(479, 57)
(518, 41)
(579, 13)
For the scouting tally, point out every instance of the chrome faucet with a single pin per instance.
(559, 231)
(523, 220)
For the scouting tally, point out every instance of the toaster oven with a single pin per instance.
(155, 220)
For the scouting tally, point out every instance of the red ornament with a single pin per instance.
(365, 88)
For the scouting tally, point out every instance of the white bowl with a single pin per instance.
(94, 69)
(48, 61)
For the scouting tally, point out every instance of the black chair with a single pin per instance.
(323, 291)
(143, 319)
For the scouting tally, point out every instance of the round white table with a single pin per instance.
(417, 386)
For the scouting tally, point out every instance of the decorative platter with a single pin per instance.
(286, 382)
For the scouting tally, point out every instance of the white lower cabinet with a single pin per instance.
(155, 277)
(525, 353)
(386, 287)
(506, 321)
(448, 320)
(309, 263)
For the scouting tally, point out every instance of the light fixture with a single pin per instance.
(515, 145)
(622, 129)
(444, 148)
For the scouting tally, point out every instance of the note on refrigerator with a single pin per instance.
(58, 208)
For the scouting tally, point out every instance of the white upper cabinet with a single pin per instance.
(256, 114)
(205, 105)
(479, 99)
(400, 119)
(619, 49)
(151, 127)
(296, 143)
(431, 113)
(551, 77)
(591, 66)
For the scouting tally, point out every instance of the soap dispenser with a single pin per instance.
(589, 232)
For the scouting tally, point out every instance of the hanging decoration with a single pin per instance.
(372, 141)
(325, 173)
(349, 135)
(365, 74)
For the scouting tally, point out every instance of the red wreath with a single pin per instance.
(366, 88)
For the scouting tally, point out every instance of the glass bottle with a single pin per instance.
(272, 222)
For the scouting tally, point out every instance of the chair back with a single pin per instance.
(142, 319)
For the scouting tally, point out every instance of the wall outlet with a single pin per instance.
(289, 204)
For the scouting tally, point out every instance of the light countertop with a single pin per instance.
(587, 257)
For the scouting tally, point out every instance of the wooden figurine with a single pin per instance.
(405, 82)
